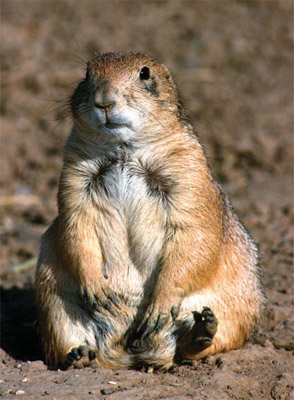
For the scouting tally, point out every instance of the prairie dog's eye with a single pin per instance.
(144, 73)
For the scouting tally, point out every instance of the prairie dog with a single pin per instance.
(146, 263)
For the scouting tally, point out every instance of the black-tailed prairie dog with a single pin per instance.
(146, 263)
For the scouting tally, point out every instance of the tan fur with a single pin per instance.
(141, 221)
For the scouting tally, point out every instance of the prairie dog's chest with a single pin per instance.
(131, 182)
(138, 187)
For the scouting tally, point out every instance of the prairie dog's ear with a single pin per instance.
(168, 77)
(167, 74)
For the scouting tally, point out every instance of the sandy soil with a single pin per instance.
(233, 64)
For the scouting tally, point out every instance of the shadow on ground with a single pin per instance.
(19, 336)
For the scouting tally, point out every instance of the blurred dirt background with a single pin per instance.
(233, 63)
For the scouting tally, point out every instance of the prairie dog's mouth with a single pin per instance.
(113, 125)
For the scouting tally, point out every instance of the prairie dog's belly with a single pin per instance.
(141, 229)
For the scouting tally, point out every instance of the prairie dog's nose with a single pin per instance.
(105, 106)
(104, 99)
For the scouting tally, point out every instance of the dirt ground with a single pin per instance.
(233, 63)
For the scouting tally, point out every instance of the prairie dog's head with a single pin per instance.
(121, 95)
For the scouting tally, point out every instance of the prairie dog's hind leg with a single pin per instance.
(64, 323)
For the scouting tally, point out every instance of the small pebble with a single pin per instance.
(107, 391)
(111, 383)
(20, 392)
(25, 380)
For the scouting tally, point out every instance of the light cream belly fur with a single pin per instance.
(140, 242)
(130, 267)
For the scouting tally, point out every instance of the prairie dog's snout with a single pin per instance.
(105, 100)
(105, 97)
(112, 109)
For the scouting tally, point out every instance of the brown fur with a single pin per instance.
(144, 235)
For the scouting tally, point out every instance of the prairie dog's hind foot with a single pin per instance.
(200, 337)
(80, 357)
(205, 328)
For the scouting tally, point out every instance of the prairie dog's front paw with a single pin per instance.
(99, 298)
(163, 309)
(156, 317)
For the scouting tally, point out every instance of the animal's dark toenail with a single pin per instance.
(70, 358)
(92, 355)
(82, 351)
(75, 353)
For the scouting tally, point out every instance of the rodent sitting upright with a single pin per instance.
(146, 263)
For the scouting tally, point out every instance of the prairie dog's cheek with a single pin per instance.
(134, 117)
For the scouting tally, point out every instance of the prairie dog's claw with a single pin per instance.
(154, 321)
(98, 302)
